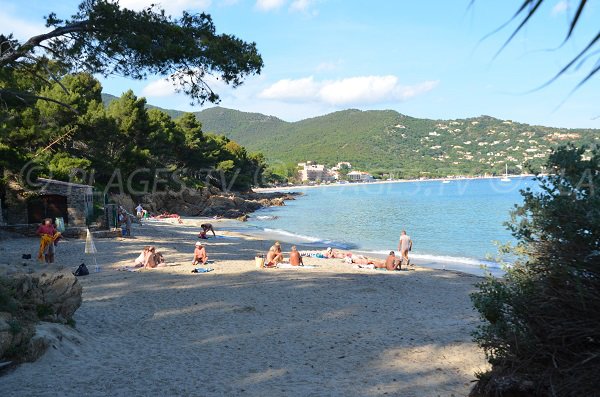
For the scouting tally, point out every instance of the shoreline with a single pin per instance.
(325, 328)
(282, 189)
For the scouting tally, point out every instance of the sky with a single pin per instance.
(437, 59)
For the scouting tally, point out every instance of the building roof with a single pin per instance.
(56, 182)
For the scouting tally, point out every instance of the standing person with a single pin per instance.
(404, 245)
(139, 211)
(206, 227)
(295, 258)
(128, 225)
(48, 237)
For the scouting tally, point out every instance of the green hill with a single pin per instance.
(387, 141)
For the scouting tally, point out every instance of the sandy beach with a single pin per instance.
(331, 330)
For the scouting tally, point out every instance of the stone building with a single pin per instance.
(71, 201)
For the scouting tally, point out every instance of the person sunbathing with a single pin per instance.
(391, 263)
(295, 258)
(200, 256)
(331, 253)
(149, 258)
(368, 261)
(274, 256)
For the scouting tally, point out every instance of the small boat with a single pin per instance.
(505, 178)
(445, 181)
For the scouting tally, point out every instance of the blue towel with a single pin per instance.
(202, 270)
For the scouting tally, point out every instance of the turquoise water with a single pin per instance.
(456, 221)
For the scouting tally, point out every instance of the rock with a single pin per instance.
(62, 291)
(53, 296)
(243, 218)
(6, 336)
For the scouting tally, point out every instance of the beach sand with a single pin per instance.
(332, 330)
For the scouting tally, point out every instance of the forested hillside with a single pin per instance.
(389, 141)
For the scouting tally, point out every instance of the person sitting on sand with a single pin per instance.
(391, 262)
(200, 256)
(274, 256)
(295, 258)
(208, 227)
(149, 258)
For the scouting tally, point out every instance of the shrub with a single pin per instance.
(541, 322)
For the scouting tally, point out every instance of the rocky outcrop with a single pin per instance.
(27, 299)
(209, 202)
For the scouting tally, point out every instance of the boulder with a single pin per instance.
(6, 336)
(53, 296)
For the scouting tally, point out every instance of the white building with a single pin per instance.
(359, 176)
(314, 172)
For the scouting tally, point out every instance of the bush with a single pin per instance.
(541, 329)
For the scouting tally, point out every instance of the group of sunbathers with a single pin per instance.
(392, 262)
(275, 256)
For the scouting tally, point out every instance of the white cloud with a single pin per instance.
(158, 88)
(295, 90)
(268, 5)
(300, 5)
(172, 7)
(360, 90)
(560, 7)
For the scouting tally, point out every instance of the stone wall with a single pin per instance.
(79, 199)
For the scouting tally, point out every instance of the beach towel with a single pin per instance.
(288, 266)
(45, 241)
(202, 270)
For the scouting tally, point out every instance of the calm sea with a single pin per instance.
(457, 221)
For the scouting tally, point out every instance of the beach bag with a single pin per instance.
(82, 270)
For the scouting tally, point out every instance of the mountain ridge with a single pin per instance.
(388, 141)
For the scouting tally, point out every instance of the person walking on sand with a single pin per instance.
(405, 245)
(295, 258)
(139, 211)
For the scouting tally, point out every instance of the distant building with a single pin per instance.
(340, 164)
(359, 176)
(314, 172)
(71, 201)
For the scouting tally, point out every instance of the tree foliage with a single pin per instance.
(541, 330)
(124, 141)
(525, 14)
(106, 39)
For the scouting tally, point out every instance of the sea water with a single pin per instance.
(458, 222)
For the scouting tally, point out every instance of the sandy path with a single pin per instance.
(329, 331)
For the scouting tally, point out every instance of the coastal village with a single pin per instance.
(312, 173)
